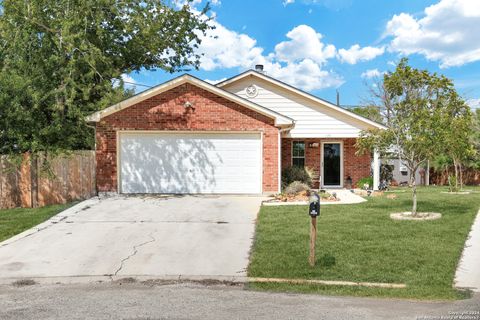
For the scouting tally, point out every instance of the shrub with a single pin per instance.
(366, 180)
(452, 184)
(386, 172)
(296, 187)
(296, 173)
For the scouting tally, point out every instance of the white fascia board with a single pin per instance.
(322, 136)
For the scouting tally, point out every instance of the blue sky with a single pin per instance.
(326, 45)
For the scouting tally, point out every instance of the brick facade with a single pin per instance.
(356, 167)
(166, 111)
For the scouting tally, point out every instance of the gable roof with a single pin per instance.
(280, 120)
(310, 97)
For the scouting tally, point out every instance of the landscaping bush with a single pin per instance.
(296, 187)
(296, 173)
(452, 187)
(365, 180)
(386, 172)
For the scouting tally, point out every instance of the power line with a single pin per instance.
(138, 84)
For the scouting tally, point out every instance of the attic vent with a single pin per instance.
(259, 68)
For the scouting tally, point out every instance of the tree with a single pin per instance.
(62, 60)
(417, 104)
(457, 139)
(370, 112)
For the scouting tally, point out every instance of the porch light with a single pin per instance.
(313, 145)
(188, 105)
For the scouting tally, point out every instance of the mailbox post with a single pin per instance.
(314, 212)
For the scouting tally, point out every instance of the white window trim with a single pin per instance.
(304, 153)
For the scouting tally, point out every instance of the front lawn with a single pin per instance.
(367, 245)
(14, 221)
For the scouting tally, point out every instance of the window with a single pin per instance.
(298, 153)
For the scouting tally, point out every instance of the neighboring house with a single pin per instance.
(189, 136)
(401, 174)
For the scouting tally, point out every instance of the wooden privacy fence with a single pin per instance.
(470, 176)
(72, 177)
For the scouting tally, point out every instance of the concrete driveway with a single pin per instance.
(121, 236)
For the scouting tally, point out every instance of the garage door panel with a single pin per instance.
(190, 163)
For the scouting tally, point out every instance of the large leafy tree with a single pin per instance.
(370, 112)
(419, 106)
(457, 142)
(61, 60)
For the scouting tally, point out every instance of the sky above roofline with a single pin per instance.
(321, 46)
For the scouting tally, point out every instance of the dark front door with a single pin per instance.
(332, 164)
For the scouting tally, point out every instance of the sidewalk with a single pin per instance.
(468, 270)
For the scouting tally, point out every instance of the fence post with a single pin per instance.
(34, 181)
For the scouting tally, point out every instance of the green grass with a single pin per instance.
(367, 245)
(14, 221)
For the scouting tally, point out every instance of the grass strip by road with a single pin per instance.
(17, 220)
(360, 243)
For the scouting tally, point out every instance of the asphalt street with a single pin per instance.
(163, 300)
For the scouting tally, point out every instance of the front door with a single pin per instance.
(332, 162)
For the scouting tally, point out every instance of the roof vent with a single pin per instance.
(259, 68)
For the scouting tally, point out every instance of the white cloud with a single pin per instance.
(129, 82)
(306, 75)
(448, 33)
(299, 61)
(287, 2)
(128, 78)
(371, 73)
(356, 54)
(304, 43)
(474, 103)
(224, 48)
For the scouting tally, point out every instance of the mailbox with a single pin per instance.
(314, 210)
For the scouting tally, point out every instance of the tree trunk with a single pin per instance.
(414, 193)
(461, 175)
(455, 165)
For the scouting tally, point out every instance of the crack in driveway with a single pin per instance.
(135, 251)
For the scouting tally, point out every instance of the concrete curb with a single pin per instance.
(207, 279)
(330, 283)
(83, 279)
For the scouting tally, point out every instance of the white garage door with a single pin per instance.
(190, 163)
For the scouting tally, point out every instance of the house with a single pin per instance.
(401, 174)
(189, 136)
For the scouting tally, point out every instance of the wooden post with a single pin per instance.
(34, 181)
(313, 238)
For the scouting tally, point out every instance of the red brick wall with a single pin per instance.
(356, 167)
(166, 111)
